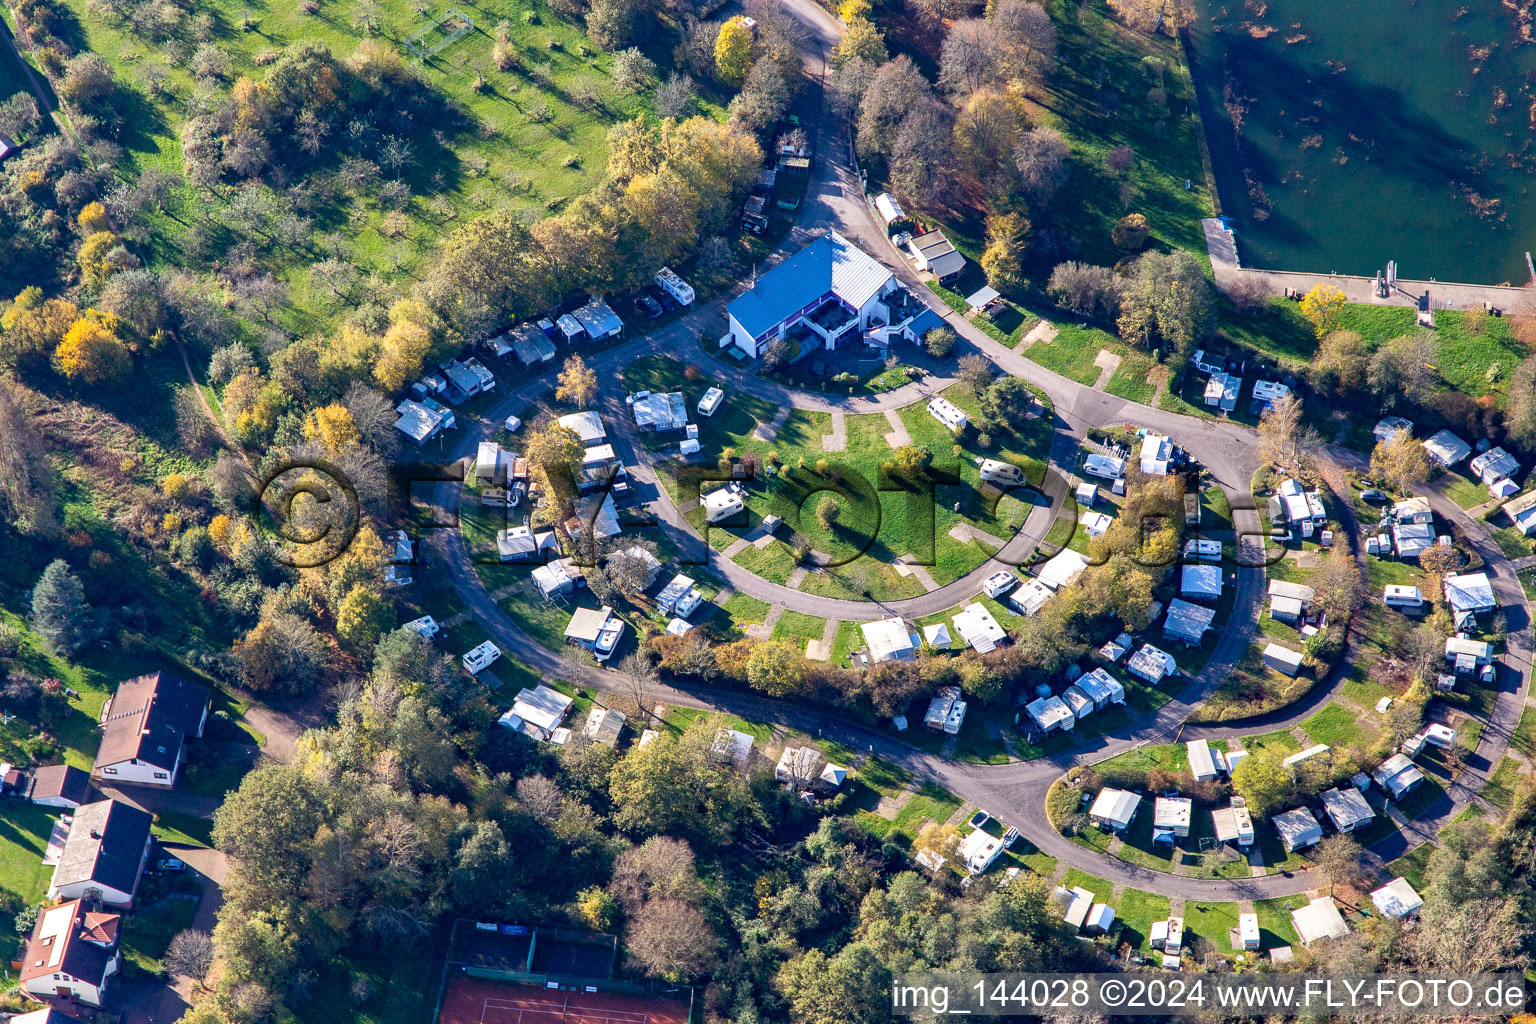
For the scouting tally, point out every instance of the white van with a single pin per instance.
(481, 657)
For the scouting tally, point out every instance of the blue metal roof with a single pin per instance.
(925, 321)
(829, 264)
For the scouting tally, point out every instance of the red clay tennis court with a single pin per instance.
(482, 1001)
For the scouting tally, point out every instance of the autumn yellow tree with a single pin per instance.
(100, 256)
(1323, 305)
(362, 619)
(1401, 461)
(220, 530)
(554, 455)
(733, 52)
(332, 426)
(93, 218)
(578, 383)
(405, 345)
(1003, 258)
(32, 327)
(91, 354)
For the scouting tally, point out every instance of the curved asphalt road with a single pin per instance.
(1014, 791)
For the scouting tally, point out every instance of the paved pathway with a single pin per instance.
(837, 440)
(768, 431)
(1227, 270)
(898, 437)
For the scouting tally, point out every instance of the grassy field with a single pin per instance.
(1524, 738)
(1212, 922)
(930, 803)
(880, 518)
(1503, 783)
(1412, 865)
(533, 138)
(1336, 726)
(1137, 912)
(1275, 928)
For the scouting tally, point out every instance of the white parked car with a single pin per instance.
(710, 401)
(481, 658)
(514, 424)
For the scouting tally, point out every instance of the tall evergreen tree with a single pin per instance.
(59, 612)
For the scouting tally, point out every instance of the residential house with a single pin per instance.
(47, 1015)
(422, 421)
(889, 640)
(1469, 595)
(1282, 659)
(934, 253)
(1397, 898)
(976, 625)
(600, 466)
(553, 580)
(59, 785)
(946, 711)
(732, 745)
(1187, 623)
(520, 544)
(1293, 504)
(1152, 664)
(1200, 582)
(539, 712)
(1397, 775)
(1104, 688)
(1446, 449)
(1289, 602)
(1076, 906)
(1494, 465)
(1297, 829)
(1050, 714)
(1201, 764)
(1170, 818)
(1347, 808)
(1114, 650)
(1319, 920)
(605, 726)
(1413, 510)
(531, 345)
(104, 854)
(145, 728)
(831, 288)
(1233, 824)
(1114, 808)
(596, 629)
(948, 413)
(598, 511)
(72, 955)
(1387, 427)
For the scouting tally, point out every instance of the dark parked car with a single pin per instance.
(1371, 494)
(668, 303)
(649, 306)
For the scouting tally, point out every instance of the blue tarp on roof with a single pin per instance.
(829, 264)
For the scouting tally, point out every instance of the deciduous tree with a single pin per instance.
(1323, 305)
(577, 383)
(1401, 461)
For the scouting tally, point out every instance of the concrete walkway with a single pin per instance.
(1227, 268)
(836, 441)
(898, 437)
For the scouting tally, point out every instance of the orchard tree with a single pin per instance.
(91, 354)
(1003, 258)
(939, 342)
(1130, 232)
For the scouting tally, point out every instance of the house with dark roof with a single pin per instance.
(72, 956)
(145, 728)
(831, 288)
(47, 1015)
(104, 854)
(934, 253)
(59, 785)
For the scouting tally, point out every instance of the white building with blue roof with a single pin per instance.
(832, 287)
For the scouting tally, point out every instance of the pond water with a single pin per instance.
(1346, 133)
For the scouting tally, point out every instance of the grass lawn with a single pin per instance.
(531, 140)
(1413, 864)
(1280, 741)
(1136, 913)
(148, 932)
(1275, 928)
(681, 718)
(1463, 490)
(798, 626)
(1524, 738)
(1502, 784)
(24, 830)
(1212, 922)
(1476, 360)
(745, 609)
(1336, 726)
(1101, 889)
(929, 803)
